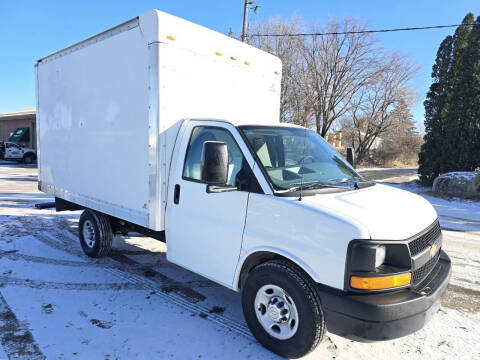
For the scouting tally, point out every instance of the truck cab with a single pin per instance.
(287, 199)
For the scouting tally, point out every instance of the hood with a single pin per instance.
(388, 213)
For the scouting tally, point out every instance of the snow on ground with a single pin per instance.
(57, 303)
(454, 213)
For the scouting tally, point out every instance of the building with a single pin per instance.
(20, 127)
(335, 139)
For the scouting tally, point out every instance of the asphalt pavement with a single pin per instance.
(382, 174)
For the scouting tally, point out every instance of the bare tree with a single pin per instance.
(294, 106)
(338, 78)
(381, 104)
(339, 66)
(401, 144)
(321, 74)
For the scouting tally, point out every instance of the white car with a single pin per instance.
(13, 151)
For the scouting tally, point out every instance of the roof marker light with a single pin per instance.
(277, 73)
(218, 53)
(233, 58)
(170, 37)
(246, 62)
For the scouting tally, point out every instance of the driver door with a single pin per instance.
(12, 151)
(204, 229)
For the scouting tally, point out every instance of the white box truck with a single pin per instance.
(164, 127)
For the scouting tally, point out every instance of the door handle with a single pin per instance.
(176, 194)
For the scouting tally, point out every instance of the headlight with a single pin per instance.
(375, 266)
(380, 252)
(367, 257)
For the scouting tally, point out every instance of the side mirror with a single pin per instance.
(214, 163)
(351, 156)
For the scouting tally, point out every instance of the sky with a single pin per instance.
(30, 30)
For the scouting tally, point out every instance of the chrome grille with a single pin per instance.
(419, 244)
(422, 272)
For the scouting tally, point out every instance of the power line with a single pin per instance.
(367, 31)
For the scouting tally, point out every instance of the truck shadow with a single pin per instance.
(22, 200)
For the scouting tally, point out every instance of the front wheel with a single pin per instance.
(95, 233)
(282, 309)
(28, 159)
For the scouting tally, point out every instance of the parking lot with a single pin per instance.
(57, 303)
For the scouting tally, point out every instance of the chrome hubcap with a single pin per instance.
(276, 312)
(89, 233)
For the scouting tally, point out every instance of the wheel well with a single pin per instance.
(258, 258)
(30, 153)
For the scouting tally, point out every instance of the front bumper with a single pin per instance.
(385, 316)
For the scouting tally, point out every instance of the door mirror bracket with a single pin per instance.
(351, 156)
(220, 189)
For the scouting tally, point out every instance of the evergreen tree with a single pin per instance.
(458, 135)
(435, 114)
(452, 115)
(474, 119)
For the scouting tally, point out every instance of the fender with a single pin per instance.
(30, 153)
(296, 260)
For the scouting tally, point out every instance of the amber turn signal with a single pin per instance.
(381, 282)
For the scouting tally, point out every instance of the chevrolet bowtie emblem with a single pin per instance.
(433, 250)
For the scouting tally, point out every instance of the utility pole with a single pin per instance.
(245, 20)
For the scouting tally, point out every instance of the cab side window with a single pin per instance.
(12, 146)
(200, 134)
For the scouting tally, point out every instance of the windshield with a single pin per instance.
(288, 154)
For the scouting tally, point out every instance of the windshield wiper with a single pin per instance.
(363, 184)
(317, 186)
(359, 183)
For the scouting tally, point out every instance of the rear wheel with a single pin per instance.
(95, 233)
(282, 309)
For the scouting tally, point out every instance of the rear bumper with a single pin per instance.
(376, 317)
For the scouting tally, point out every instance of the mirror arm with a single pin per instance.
(220, 188)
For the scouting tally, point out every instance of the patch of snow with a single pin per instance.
(467, 175)
(456, 214)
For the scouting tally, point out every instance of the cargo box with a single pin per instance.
(109, 108)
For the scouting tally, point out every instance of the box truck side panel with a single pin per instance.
(93, 102)
(116, 101)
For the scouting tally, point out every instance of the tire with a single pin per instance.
(28, 159)
(302, 301)
(95, 233)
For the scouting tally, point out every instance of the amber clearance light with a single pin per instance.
(378, 283)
